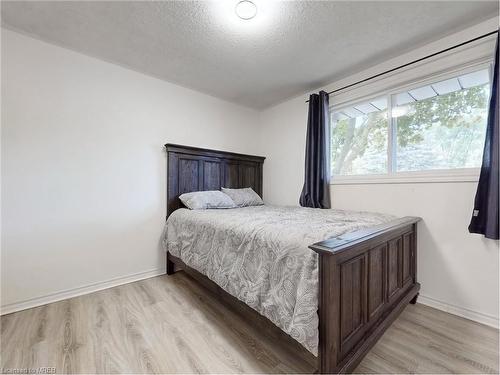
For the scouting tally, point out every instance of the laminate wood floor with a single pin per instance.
(171, 324)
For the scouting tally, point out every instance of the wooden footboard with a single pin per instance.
(366, 278)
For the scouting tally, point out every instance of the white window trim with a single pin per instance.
(423, 80)
(427, 176)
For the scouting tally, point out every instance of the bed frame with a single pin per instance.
(366, 278)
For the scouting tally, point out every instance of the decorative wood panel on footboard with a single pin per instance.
(366, 278)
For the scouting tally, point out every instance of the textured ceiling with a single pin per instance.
(289, 48)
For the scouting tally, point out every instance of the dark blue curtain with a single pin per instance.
(485, 215)
(316, 190)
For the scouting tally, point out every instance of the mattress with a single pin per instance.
(260, 255)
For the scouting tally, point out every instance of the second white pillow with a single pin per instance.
(244, 197)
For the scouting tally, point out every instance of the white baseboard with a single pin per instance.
(70, 293)
(489, 320)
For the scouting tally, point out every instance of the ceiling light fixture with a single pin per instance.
(246, 9)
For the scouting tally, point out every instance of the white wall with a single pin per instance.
(83, 178)
(459, 272)
(83, 167)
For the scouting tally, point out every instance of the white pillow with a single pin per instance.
(202, 200)
(244, 197)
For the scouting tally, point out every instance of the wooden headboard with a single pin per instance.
(199, 169)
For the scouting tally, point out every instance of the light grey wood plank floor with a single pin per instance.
(173, 325)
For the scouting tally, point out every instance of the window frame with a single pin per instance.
(423, 176)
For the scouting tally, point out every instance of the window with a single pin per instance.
(433, 128)
(359, 139)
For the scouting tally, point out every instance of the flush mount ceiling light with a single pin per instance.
(246, 9)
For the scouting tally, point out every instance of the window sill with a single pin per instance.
(459, 175)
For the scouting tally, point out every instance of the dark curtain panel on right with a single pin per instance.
(316, 190)
(485, 215)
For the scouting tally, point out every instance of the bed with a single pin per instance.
(332, 280)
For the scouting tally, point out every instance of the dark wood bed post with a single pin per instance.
(366, 279)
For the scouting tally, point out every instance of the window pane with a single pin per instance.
(442, 126)
(359, 139)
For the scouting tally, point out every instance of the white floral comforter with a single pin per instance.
(260, 255)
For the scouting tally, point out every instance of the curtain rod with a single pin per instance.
(412, 62)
